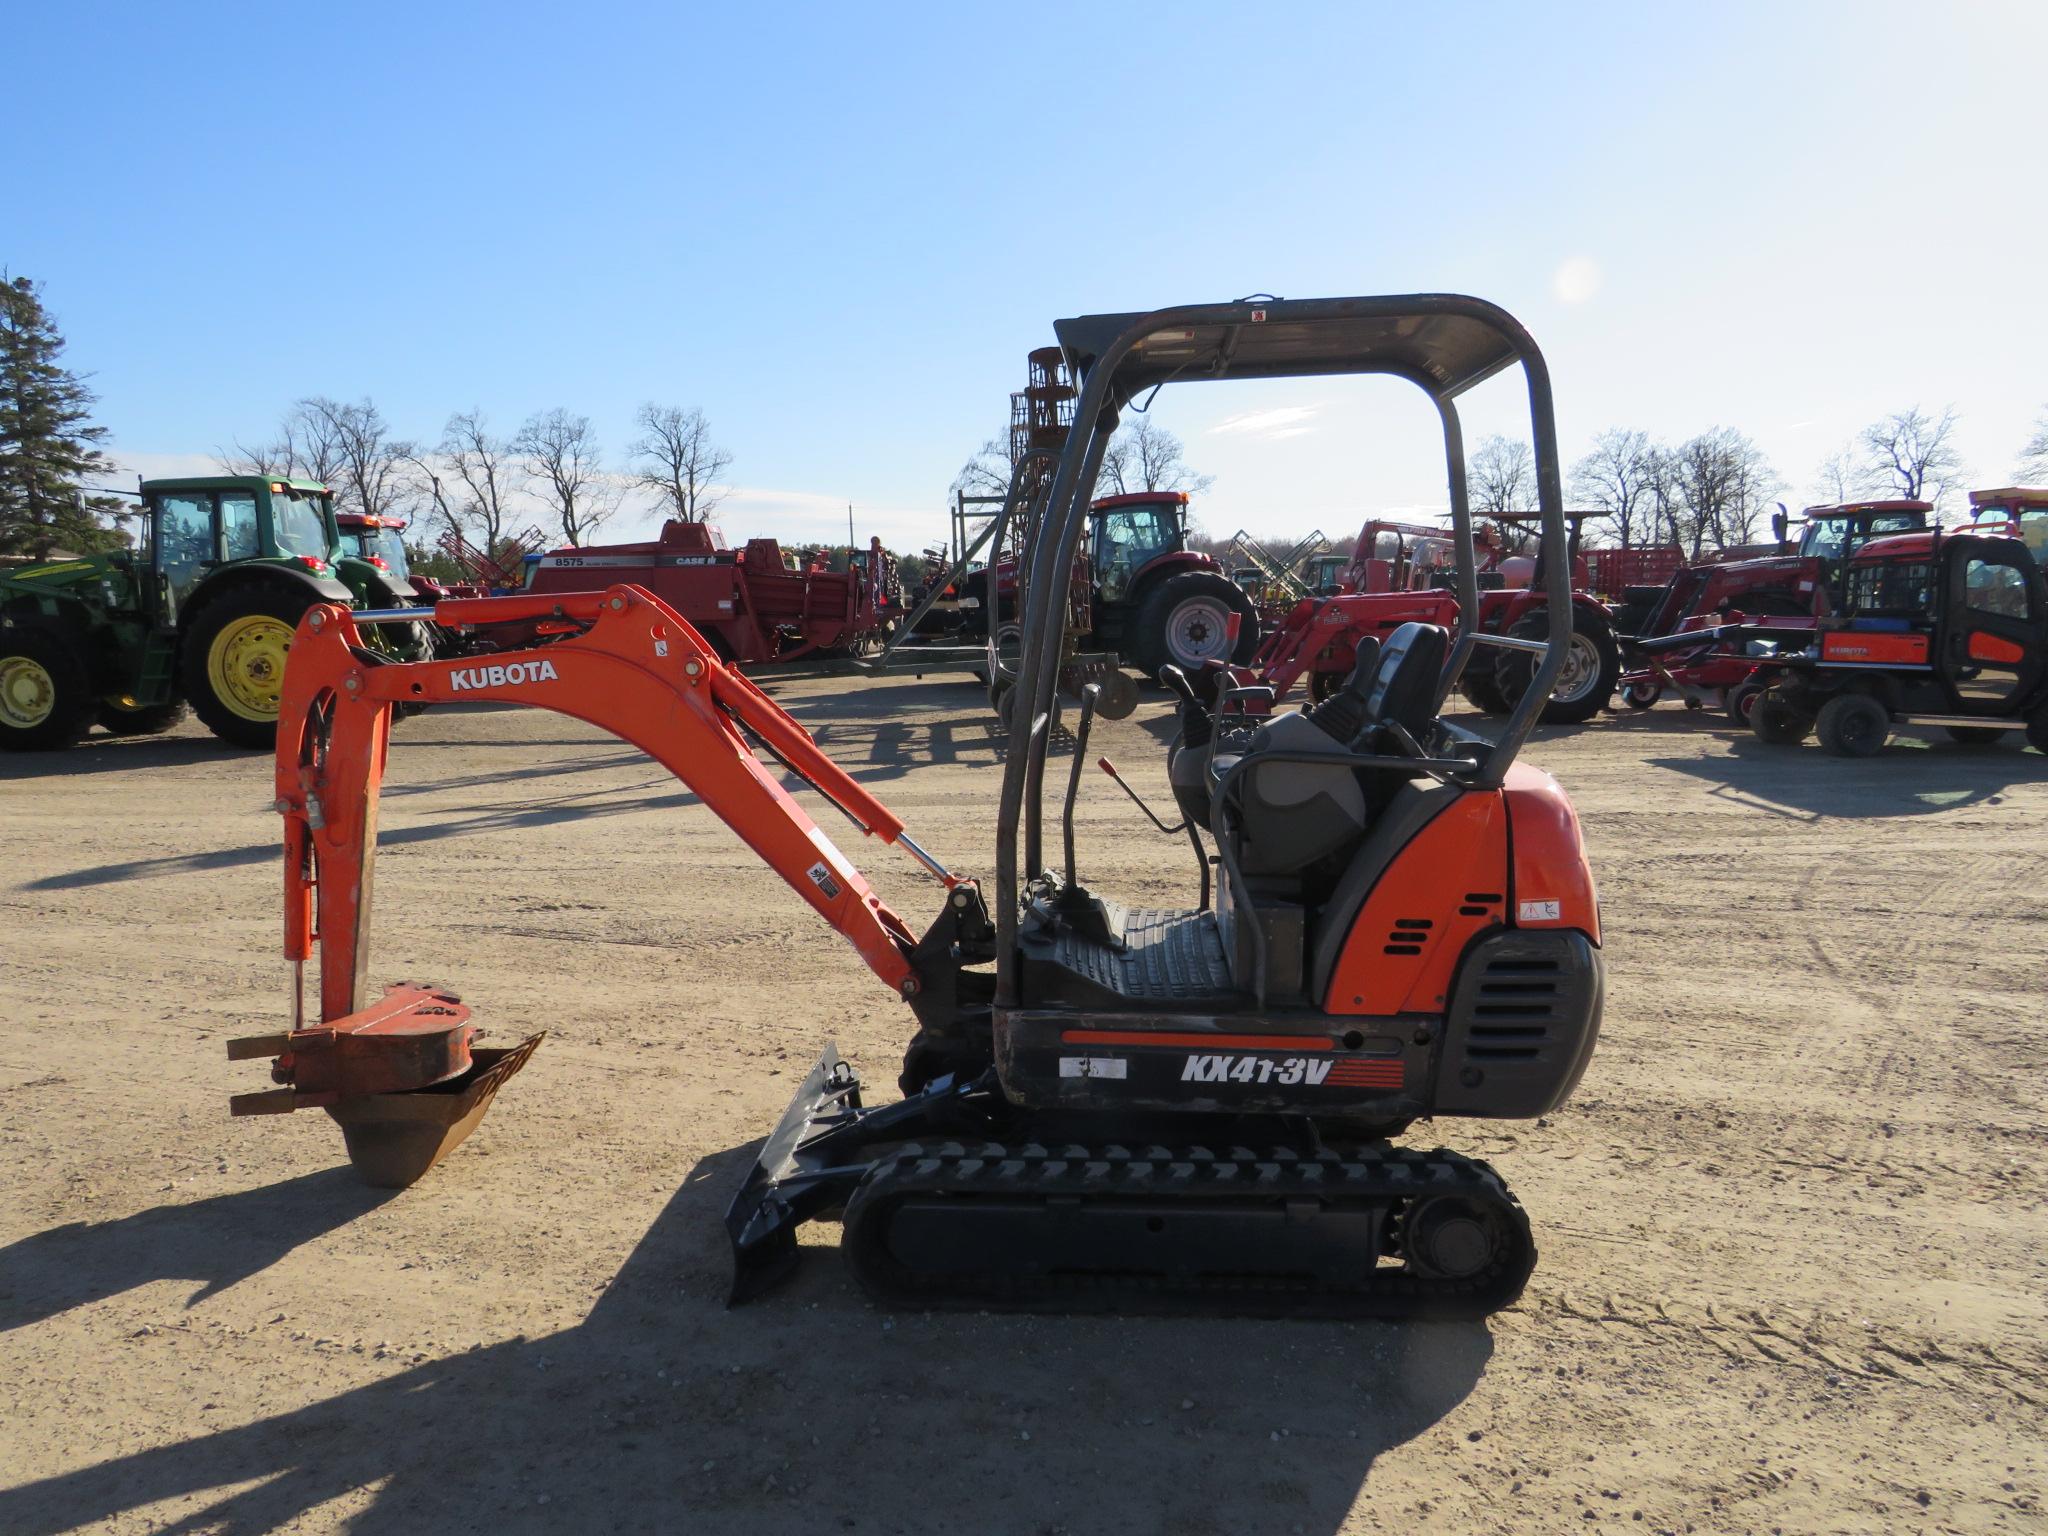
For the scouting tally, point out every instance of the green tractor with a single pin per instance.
(202, 611)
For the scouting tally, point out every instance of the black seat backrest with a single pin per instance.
(1343, 712)
(1404, 686)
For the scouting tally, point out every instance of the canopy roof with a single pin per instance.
(1446, 342)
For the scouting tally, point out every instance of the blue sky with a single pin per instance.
(838, 229)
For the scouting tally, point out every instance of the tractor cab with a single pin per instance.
(376, 541)
(1128, 533)
(1833, 534)
(2016, 510)
(197, 526)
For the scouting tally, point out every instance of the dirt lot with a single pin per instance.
(1793, 1270)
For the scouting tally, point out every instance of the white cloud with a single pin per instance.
(1278, 422)
(1577, 280)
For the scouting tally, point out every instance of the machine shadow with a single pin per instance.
(808, 1410)
(217, 1242)
(1902, 780)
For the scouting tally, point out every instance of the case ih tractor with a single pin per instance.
(1150, 598)
(203, 612)
(1673, 635)
(1400, 573)
(1101, 1107)
(1935, 630)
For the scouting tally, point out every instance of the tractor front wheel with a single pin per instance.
(1641, 695)
(45, 693)
(1480, 684)
(234, 659)
(1184, 621)
(1853, 725)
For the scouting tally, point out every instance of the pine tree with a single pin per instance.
(49, 449)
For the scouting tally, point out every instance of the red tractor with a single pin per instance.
(1401, 573)
(1943, 631)
(381, 542)
(1674, 635)
(1151, 599)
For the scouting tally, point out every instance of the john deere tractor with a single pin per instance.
(202, 611)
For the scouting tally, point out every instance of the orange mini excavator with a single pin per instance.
(1101, 1107)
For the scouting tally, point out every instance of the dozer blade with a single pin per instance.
(821, 1149)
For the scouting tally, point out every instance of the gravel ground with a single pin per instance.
(1792, 1272)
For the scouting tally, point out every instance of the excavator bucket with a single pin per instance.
(400, 1077)
(394, 1138)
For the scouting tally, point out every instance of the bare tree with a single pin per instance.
(988, 472)
(561, 452)
(490, 474)
(1721, 484)
(306, 448)
(2033, 464)
(1617, 477)
(1912, 453)
(1500, 476)
(1841, 478)
(346, 447)
(1144, 457)
(675, 458)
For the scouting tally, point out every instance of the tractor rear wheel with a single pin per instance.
(119, 719)
(1776, 719)
(1184, 621)
(234, 659)
(1480, 684)
(45, 692)
(1853, 725)
(1585, 684)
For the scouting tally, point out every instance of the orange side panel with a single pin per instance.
(1439, 891)
(1865, 645)
(1553, 886)
(1988, 647)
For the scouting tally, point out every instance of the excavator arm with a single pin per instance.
(629, 665)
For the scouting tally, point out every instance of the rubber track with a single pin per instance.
(1350, 1178)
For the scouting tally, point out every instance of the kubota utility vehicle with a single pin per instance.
(1936, 630)
(202, 611)
(1102, 1106)
(1675, 638)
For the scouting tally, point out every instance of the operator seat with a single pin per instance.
(1290, 814)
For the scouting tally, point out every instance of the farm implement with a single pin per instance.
(1101, 1107)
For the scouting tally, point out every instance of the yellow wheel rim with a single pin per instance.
(27, 692)
(245, 665)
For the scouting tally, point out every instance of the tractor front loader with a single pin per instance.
(1102, 1107)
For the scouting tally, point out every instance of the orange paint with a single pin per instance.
(1199, 1042)
(1867, 646)
(1989, 647)
(1550, 856)
(1404, 947)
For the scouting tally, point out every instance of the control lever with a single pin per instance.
(1183, 825)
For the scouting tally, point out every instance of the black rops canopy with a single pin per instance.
(1444, 342)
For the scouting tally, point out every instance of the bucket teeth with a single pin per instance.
(256, 1048)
